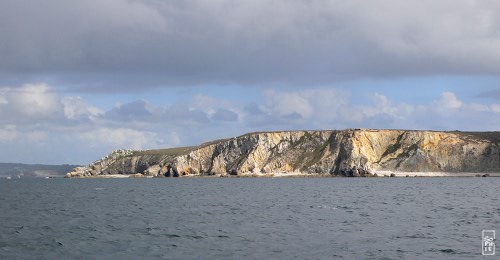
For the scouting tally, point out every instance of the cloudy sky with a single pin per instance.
(81, 78)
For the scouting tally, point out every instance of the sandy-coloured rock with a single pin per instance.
(352, 152)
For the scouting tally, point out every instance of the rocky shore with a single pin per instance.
(350, 153)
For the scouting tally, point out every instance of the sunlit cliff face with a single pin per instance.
(349, 152)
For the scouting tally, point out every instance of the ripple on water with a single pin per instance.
(246, 218)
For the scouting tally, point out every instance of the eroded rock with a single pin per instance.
(350, 153)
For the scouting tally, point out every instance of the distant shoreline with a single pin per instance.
(438, 174)
(380, 174)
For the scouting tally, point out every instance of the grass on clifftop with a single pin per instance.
(168, 151)
(493, 137)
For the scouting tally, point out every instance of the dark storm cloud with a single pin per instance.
(119, 44)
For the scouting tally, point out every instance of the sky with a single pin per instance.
(81, 78)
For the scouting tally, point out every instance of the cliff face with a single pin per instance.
(348, 153)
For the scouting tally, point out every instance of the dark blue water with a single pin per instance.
(233, 218)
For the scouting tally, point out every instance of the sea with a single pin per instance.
(247, 218)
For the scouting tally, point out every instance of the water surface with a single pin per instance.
(258, 218)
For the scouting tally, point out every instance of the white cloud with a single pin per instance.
(478, 107)
(3, 99)
(449, 101)
(41, 103)
(217, 109)
(120, 138)
(168, 139)
(31, 101)
(318, 103)
(201, 102)
(287, 103)
(8, 133)
(75, 107)
(81, 130)
(36, 136)
(16, 135)
(495, 108)
(329, 108)
(351, 114)
(382, 105)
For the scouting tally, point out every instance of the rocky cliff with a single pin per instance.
(352, 152)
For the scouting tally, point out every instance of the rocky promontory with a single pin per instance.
(352, 152)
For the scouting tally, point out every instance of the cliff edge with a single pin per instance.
(352, 152)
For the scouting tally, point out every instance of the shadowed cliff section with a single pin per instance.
(352, 152)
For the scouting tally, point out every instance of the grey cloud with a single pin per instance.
(182, 115)
(121, 44)
(253, 109)
(136, 110)
(225, 115)
(256, 116)
(293, 116)
(142, 112)
(495, 94)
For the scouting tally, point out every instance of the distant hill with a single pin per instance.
(14, 170)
